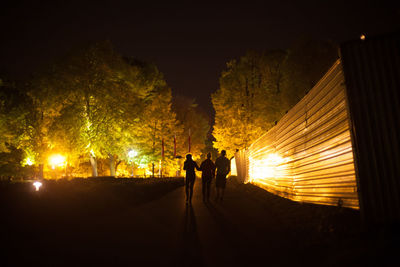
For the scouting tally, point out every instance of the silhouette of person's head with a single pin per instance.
(209, 155)
(189, 156)
(223, 153)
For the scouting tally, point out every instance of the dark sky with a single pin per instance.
(190, 43)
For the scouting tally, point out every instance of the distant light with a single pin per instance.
(132, 153)
(37, 185)
(56, 160)
(29, 161)
(362, 37)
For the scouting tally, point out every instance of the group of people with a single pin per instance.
(221, 167)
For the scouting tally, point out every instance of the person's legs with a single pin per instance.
(187, 189)
(219, 185)
(223, 184)
(208, 186)
(204, 188)
(191, 190)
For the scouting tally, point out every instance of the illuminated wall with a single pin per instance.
(308, 155)
(233, 167)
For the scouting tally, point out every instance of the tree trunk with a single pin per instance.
(117, 164)
(93, 162)
(112, 164)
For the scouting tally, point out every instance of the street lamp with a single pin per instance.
(131, 155)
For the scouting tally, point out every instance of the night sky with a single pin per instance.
(189, 43)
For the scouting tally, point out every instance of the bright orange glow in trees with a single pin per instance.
(57, 160)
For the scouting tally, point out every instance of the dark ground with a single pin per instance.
(140, 222)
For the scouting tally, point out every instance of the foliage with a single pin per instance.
(193, 119)
(247, 102)
(158, 125)
(256, 90)
(93, 104)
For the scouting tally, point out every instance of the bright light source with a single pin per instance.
(37, 185)
(362, 37)
(29, 161)
(57, 160)
(132, 153)
(270, 167)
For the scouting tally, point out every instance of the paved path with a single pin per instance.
(240, 231)
(231, 233)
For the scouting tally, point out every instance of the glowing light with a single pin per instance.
(29, 161)
(57, 160)
(267, 168)
(132, 153)
(362, 37)
(37, 185)
(233, 167)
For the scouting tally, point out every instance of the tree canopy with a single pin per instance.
(93, 104)
(257, 89)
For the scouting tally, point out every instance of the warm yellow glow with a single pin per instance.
(57, 160)
(132, 153)
(268, 167)
(29, 161)
(362, 37)
(37, 185)
(233, 167)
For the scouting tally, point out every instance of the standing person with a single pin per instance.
(189, 166)
(208, 173)
(223, 165)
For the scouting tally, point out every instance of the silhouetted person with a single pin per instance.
(223, 166)
(189, 166)
(208, 172)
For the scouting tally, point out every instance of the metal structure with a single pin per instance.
(340, 145)
(308, 155)
(372, 73)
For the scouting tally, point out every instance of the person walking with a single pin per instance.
(223, 165)
(190, 167)
(207, 168)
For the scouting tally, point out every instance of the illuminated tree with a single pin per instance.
(5, 131)
(158, 125)
(259, 88)
(94, 104)
(194, 119)
(248, 100)
(11, 114)
(104, 99)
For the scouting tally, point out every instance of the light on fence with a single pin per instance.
(268, 167)
(37, 185)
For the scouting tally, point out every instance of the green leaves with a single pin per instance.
(94, 102)
(257, 90)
